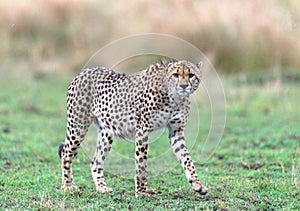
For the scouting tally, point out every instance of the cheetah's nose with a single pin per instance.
(183, 86)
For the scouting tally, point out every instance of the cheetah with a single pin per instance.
(130, 106)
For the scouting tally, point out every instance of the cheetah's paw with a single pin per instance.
(104, 189)
(142, 194)
(69, 187)
(199, 188)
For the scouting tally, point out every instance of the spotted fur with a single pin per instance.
(130, 106)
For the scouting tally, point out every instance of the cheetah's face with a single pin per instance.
(184, 77)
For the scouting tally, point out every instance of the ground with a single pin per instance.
(256, 165)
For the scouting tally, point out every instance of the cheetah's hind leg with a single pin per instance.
(66, 185)
(104, 142)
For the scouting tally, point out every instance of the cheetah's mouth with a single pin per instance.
(185, 92)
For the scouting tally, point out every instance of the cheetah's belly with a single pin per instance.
(159, 120)
(124, 126)
(121, 124)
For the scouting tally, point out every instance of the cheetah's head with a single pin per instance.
(184, 77)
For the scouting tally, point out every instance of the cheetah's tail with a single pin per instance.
(60, 148)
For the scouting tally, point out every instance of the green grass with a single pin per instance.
(256, 165)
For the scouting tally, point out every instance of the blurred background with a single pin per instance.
(59, 36)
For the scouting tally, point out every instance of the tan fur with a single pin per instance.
(130, 106)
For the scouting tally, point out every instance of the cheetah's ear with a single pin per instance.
(199, 65)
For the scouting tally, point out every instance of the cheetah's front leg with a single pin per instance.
(179, 147)
(141, 150)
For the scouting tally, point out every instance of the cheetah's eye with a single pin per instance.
(175, 75)
(191, 75)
